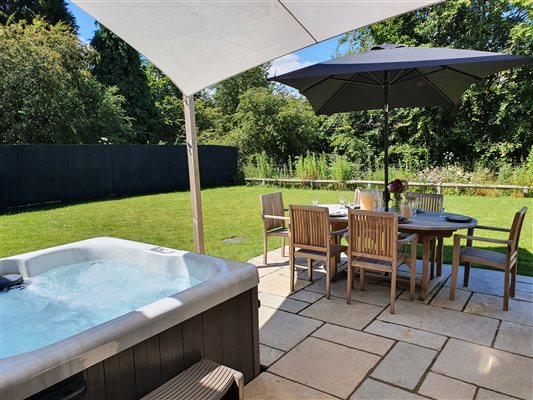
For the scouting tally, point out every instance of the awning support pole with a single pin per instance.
(194, 174)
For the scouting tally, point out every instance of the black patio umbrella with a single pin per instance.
(391, 76)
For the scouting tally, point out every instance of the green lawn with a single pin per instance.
(165, 220)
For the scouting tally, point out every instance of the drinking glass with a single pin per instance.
(414, 208)
(442, 209)
(315, 200)
(341, 200)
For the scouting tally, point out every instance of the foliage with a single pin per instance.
(341, 169)
(493, 121)
(51, 11)
(167, 99)
(275, 123)
(120, 65)
(47, 93)
(311, 166)
(227, 93)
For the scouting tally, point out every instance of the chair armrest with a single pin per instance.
(493, 228)
(412, 238)
(278, 217)
(457, 238)
(340, 232)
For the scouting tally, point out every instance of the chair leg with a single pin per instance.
(283, 246)
(309, 269)
(412, 274)
(349, 283)
(513, 280)
(467, 274)
(506, 290)
(291, 266)
(393, 291)
(455, 270)
(328, 277)
(361, 278)
(265, 248)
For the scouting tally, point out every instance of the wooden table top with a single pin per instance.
(424, 221)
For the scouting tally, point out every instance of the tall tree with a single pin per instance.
(48, 94)
(52, 11)
(227, 93)
(494, 118)
(120, 65)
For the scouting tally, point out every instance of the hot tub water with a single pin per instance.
(73, 298)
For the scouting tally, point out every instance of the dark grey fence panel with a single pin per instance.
(35, 174)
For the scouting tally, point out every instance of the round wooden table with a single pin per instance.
(431, 229)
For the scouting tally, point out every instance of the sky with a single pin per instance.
(311, 55)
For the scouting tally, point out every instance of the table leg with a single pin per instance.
(440, 254)
(426, 244)
(467, 264)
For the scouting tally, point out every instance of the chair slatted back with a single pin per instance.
(309, 227)
(272, 204)
(427, 201)
(373, 235)
(516, 228)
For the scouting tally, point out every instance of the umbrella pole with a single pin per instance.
(386, 193)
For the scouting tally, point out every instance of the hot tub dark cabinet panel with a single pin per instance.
(227, 333)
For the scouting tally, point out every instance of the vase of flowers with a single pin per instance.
(397, 188)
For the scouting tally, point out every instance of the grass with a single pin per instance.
(165, 220)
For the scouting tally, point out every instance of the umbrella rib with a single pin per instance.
(418, 76)
(352, 81)
(335, 94)
(297, 20)
(376, 79)
(477, 78)
(434, 87)
(396, 76)
(316, 84)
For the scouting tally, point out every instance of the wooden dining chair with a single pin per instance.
(427, 201)
(274, 221)
(373, 244)
(310, 237)
(431, 202)
(508, 262)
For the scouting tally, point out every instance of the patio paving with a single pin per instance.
(314, 348)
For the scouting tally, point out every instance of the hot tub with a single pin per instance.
(123, 316)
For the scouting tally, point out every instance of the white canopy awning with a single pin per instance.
(197, 43)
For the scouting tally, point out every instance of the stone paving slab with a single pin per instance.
(442, 299)
(516, 338)
(325, 366)
(372, 390)
(268, 355)
(442, 321)
(279, 284)
(283, 330)
(492, 306)
(271, 387)
(441, 387)
(307, 296)
(281, 302)
(355, 339)
(404, 365)
(486, 367)
(373, 294)
(484, 394)
(407, 334)
(336, 311)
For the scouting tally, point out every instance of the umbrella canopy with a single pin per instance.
(395, 76)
